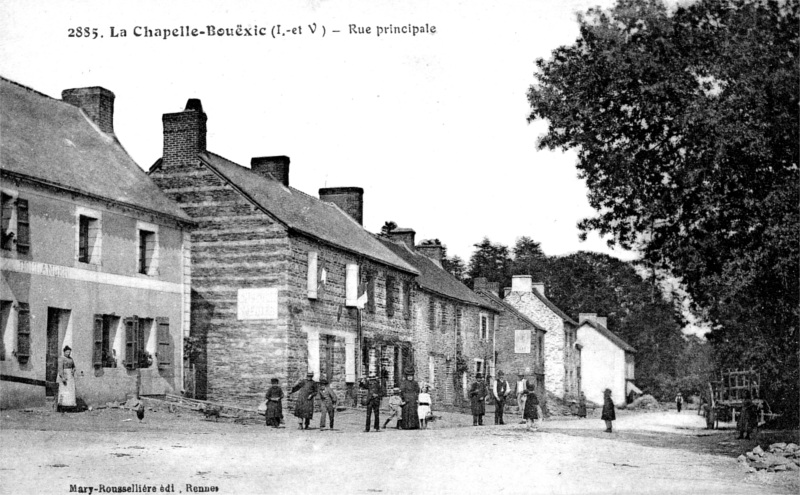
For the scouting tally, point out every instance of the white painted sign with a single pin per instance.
(522, 341)
(258, 304)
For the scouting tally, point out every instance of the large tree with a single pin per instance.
(686, 127)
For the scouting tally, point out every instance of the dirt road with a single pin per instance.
(45, 452)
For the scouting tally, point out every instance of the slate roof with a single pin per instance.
(504, 306)
(434, 278)
(305, 214)
(609, 335)
(53, 142)
(554, 308)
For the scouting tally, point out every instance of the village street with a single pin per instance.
(661, 452)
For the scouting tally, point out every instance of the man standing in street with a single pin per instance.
(500, 390)
(304, 406)
(521, 390)
(477, 393)
(374, 395)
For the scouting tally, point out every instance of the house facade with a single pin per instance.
(279, 276)
(609, 361)
(561, 356)
(519, 341)
(94, 256)
(454, 329)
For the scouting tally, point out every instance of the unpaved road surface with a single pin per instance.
(665, 452)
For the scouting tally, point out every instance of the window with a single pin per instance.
(147, 241)
(444, 318)
(105, 332)
(390, 296)
(458, 321)
(147, 340)
(351, 285)
(164, 350)
(407, 300)
(15, 232)
(541, 348)
(479, 366)
(5, 328)
(89, 239)
(484, 326)
(312, 274)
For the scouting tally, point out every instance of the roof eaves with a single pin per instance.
(613, 337)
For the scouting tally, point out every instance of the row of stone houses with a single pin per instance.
(209, 277)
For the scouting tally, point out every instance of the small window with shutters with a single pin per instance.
(23, 333)
(132, 343)
(390, 296)
(89, 238)
(104, 353)
(164, 352)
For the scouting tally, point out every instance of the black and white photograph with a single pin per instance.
(353, 246)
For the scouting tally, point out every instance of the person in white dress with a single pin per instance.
(424, 407)
(67, 399)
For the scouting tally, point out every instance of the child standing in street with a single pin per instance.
(608, 410)
(424, 407)
(396, 406)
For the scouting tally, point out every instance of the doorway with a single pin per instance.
(51, 359)
(326, 366)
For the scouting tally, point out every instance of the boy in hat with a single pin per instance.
(500, 390)
(477, 394)
(327, 402)
(304, 407)
(274, 412)
(374, 394)
(395, 404)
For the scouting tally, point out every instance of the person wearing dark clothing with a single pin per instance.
(679, 401)
(531, 413)
(582, 406)
(748, 419)
(304, 407)
(374, 395)
(500, 390)
(327, 403)
(274, 397)
(608, 414)
(409, 392)
(477, 394)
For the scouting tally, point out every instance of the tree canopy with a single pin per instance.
(685, 123)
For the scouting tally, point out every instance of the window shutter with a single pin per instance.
(140, 344)
(431, 315)
(23, 227)
(97, 355)
(164, 343)
(24, 332)
(390, 296)
(407, 300)
(312, 274)
(351, 285)
(371, 293)
(131, 350)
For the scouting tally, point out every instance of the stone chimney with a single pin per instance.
(349, 199)
(434, 252)
(521, 283)
(96, 102)
(272, 167)
(603, 320)
(405, 236)
(481, 283)
(538, 287)
(184, 133)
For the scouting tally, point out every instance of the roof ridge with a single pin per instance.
(28, 88)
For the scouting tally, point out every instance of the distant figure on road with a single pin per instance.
(679, 401)
(396, 406)
(710, 414)
(424, 407)
(748, 420)
(582, 406)
(500, 390)
(608, 410)
(409, 392)
(304, 407)
(532, 412)
(327, 403)
(274, 397)
(374, 395)
(477, 394)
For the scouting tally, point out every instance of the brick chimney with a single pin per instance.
(184, 133)
(405, 236)
(96, 102)
(434, 252)
(272, 167)
(521, 283)
(481, 283)
(349, 199)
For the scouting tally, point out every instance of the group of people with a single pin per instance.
(526, 399)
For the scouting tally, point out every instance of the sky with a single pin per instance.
(433, 126)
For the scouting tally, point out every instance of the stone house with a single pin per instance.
(94, 255)
(608, 360)
(277, 275)
(519, 341)
(561, 357)
(454, 328)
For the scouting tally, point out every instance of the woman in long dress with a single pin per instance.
(531, 414)
(274, 397)
(66, 382)
(608, 414)
(409, 391)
